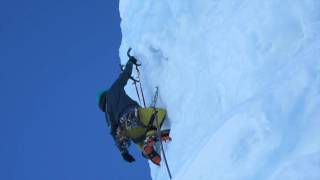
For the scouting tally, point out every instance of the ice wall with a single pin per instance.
(240, 80)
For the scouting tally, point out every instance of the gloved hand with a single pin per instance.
(127, 157)
(133, 60)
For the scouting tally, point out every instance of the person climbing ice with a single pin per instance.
(128, 121)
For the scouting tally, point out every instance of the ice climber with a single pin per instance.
(128, 121)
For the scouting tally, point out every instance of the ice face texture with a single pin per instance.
(240, 81)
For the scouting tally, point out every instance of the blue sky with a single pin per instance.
(54, 58)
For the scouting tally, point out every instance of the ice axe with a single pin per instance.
(135, 81)
(132, 57)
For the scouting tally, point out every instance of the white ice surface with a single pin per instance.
(240, 80)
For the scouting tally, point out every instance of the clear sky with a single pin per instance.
(54, 58)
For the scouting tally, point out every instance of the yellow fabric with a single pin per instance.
(144, 116)
(146, 113)
(136, 132)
